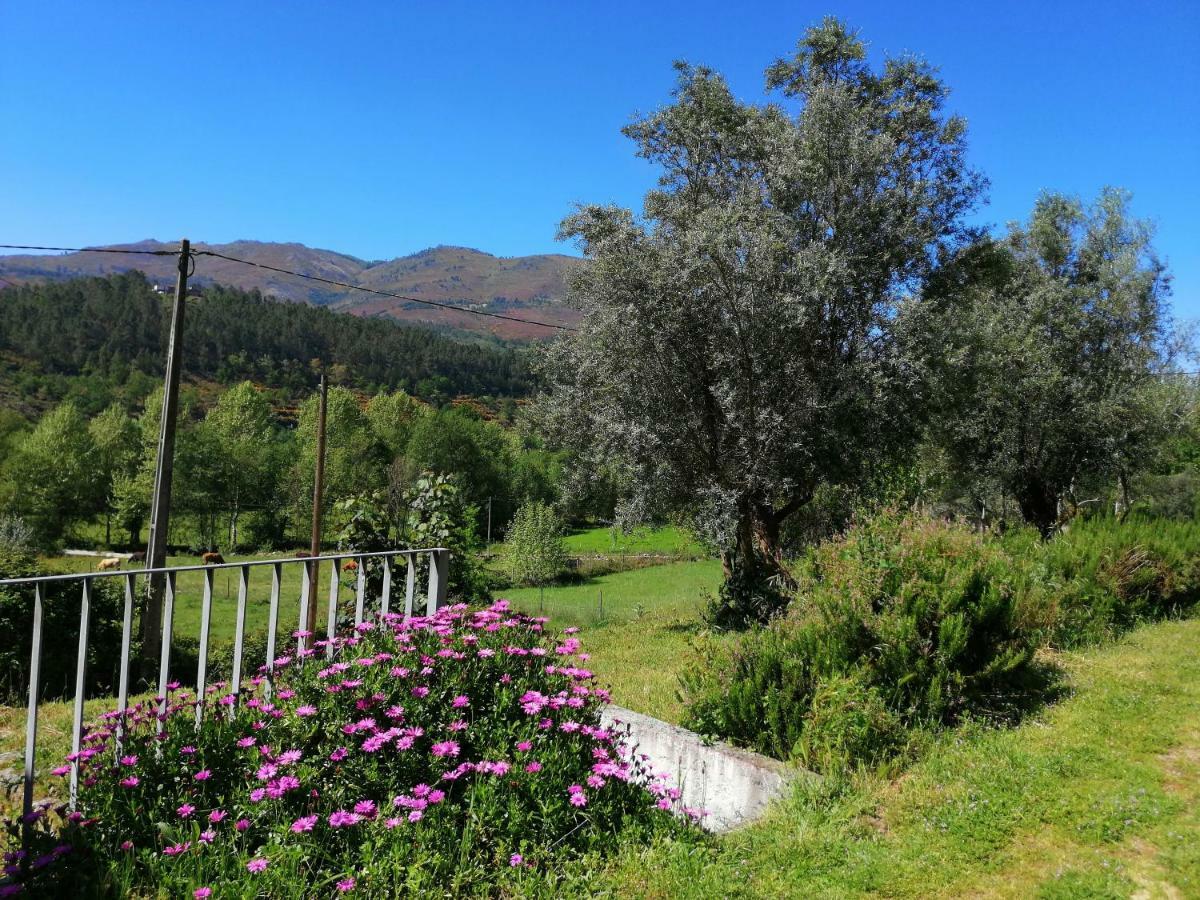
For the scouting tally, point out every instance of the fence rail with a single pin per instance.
(310, 565)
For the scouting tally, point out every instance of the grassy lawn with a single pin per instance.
(669, 541)
(190, 590)
(1096, 796)
(666, 541)
(670, 589)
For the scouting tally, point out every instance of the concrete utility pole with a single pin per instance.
(160, 505)
(318, 499)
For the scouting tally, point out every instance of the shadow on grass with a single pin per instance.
(1042, 684)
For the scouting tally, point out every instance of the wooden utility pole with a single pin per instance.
(318, 499)
(160, 505)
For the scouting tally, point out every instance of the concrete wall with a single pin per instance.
(734, 786)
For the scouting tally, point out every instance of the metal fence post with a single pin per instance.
(438, 570)
(239, 634)
(164, 656)
(31, 713)
(410, 586)
(202, 664)
(85, 611)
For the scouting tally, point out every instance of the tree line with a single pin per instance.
(99, 339)
(244, 480)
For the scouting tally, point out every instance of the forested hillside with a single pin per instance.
(89, 338)
(457, 276)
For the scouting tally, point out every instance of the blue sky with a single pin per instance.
(378, 129)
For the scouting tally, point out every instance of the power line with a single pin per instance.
(329, 281)
(356, 287)
(91, 250)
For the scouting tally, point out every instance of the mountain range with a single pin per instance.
(526, 287)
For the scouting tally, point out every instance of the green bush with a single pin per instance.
(906, 623)
(536, 551)
(903, 622)
(60, 630)
(1102, 576)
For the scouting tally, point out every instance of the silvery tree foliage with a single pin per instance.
(1047, 352)
(736, 349)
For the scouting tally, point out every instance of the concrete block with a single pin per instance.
(733, 786)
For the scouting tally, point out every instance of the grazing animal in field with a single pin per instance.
(138, 556)
(211, 558)
(111, 562)
(350, 565)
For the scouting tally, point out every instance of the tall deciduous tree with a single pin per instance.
(354, 458)
(242, 428)
(55, 474)
(117, 450)
(736, 347)
(1046, 350)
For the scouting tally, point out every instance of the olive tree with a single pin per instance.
(736, 350)
(1046, 351)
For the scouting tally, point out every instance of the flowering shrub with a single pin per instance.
(435, 754)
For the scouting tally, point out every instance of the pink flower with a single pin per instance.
(129, 760)
(176, 849)
(203, 775)
(393, 823)
(304, 823)
(202, 892)
(525, 746)
(246, 742)
(339, 754)
(130, 782)
(365, 808)
(579, 799)
(445, 748)
(346, 885)
(61, 770)
(534, 766)
(186, 810)
(207, 837)
(187, 751)
(340, 818)
(126, 845)
(420, 691)
(257, 864)
(460, 701)
(305, 711)
(516, 859)
(242, 824)
(416, 815)
(217, 816)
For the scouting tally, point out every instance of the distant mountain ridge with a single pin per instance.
(531, 287)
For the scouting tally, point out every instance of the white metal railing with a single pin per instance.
(436, 595)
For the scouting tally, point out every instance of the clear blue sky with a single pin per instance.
(378, 129)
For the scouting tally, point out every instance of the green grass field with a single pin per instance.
(666, 541)
(671, 589)
(1097, 796)
(190, 591)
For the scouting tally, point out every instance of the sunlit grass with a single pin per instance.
(1097, 796)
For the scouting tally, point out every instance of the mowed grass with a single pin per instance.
(676, 589)
(638, 627)
(189, 588)
(1096, 796)
(668, 541)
